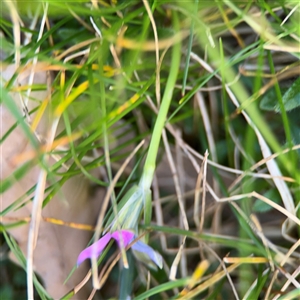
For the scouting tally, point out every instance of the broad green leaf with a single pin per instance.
(261, 207)
(290, 98)
(269, 101)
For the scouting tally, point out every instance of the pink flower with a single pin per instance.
(126, 237)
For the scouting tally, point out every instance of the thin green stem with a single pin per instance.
(150, 162)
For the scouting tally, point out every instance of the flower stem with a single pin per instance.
(150, 163)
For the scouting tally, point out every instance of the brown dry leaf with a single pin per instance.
(58, 246)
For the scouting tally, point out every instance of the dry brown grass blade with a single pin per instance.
(258, 228)
(34, 230)
(209, 282)
(183, 217)
(286, 196)
(156, 41)
(254, 194)
(127, 43)
(36, 212)
(76, 47)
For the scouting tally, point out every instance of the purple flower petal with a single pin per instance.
(153, 255)
(95, 249)
(127, 237)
